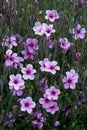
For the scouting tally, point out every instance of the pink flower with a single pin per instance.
(32, 45)
(52, 108)
(38, 28)
(47, 29)
(28, 72)
(52, 67)
(27, 104)
(70, 79)
(64, 43)
(49, 66)
(27, 55)
(9, 42)
(52, 15)
(16, 81)
(42, 63)
(78, 54)
(52, 93)
(45, 101)
(39, 121)
(78, 32)
(10, 58)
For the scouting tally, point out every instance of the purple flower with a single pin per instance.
(45, 101)
(49, 66)
(42, 63)
(52, 108)
(52, 93)
(27, 55)
(28, 72)
(39, 121)
(78, 54)
(27, 104)
(70, 79)
(32, 45)
(78, 32)
(52, 15)
(9, 42)
(13, 60)
(38, 28)
(16, 81)
(64, 43)
(52, 67)
(47, 29)
(10, 58)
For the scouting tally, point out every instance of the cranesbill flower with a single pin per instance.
(70, 79)
(45, 102)
(47, 29)
(38, 28)
(27, 55)
(52, 67)
(10, 58)
(78, 32)
(9, 42)
(27, 104)
(64, 43)
(78, 54)
(52, 93)
(32, 45)
(42, 63)
(52, 15)
(49, 66)
(52, 108)
(16, 81)
(28, 72)
(39, 121)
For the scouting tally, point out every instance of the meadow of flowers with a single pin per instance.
(43, 64)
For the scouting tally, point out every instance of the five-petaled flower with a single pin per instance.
(78, 32)
(64, 43)
(70, 79)
(52, 15)
(52, 93)
(27, 104)
(16, 81)
(28, 72)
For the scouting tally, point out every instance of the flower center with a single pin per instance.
(31, 45)
(51, 16)
(53, 92)
(51, 67)
(11, 58)
(52, 107)
(26, 104)
(48, 30)
(28, 71)
(46, 100)
(69, 80)
(16, 81)
(78, 31)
